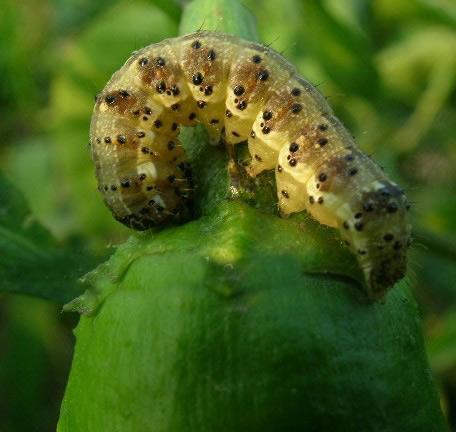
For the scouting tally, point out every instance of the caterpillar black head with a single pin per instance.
(381, 236)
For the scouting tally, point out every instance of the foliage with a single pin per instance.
(388, 67)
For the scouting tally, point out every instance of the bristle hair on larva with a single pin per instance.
(242, 91)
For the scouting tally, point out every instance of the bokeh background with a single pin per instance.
(388, 68)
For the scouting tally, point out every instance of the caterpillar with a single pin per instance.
(242, 91)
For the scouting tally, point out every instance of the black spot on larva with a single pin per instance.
(279, 168)
(145, 150)
(171, 178)
(368, 206)
(168, 92)
(136, 113)
(110, 99)
(178, 192)
(392, 207)
(257, 157)
(143, 61)
(349, 157)
(263, 75)
(175, 90)
(196, 44)
(149, 188)
(145, 118)
(346, 225)
(98, 141)
(235, 134)
(192, 116)
(158, 124)
(407, 206)
(256, 59)
(388, 237)
(311, 199)
(295, 108)
(320, 200)
(107, 140)
(174, 126)
(171, 145)
(322, 177)
(201, 104)
(252, 134)
(113, 188)
(322, 127)
(294, 147)
(208, 90)
(161, 87)
(362, 252)
(142, 177)
(358, 215)
(183, 166)
(266, 130)
(121, 139)
(214, 121)
(160, 61)
(241, 105)
(359, 226)
(397, 245)
(105, 188)
(352, 171)
(385, 192)
(175, 107)
(197, 78)
(267, 115)
(285, 194)
(125, 183)
(211, 55)
(238, 90)
(124, 94)
(147, 110)
(295, 92)
(322, 141)
(228, 113)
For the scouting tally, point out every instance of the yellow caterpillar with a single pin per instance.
(242, 91)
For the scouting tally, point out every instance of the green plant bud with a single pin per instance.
(222, 325)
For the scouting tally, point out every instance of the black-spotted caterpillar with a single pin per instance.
(242, 91)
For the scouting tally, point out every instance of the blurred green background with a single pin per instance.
(388, 68)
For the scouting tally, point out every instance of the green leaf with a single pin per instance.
(31, 261)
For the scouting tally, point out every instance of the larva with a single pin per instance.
(242, 91)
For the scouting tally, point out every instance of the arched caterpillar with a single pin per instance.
(242, 91)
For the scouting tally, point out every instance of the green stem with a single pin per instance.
(228, 16)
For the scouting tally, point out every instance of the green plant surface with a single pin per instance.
(223, 325)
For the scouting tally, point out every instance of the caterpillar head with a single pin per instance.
(381, 236)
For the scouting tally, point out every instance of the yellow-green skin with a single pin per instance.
(242, 91)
